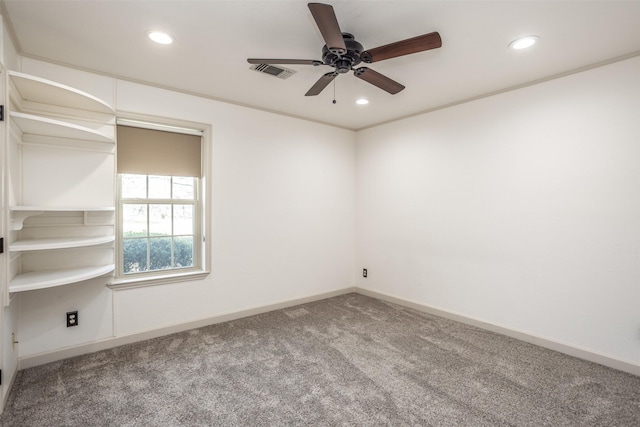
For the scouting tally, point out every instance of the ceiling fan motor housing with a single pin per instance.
(344, 63)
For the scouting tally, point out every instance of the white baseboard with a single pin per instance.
(569, 349)
(67, 352)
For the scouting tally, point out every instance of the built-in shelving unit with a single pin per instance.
(61, 146)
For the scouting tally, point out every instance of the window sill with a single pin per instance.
(162, 279)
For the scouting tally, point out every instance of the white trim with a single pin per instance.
(107, 343)
(170, 276)
(566, 348)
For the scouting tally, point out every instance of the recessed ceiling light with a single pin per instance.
(159, 37)
(362, 101)
(523, 42)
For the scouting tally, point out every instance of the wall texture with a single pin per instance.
(520, 210)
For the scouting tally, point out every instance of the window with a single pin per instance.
(158, 222)
(160, 228)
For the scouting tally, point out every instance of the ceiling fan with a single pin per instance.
(343, 53)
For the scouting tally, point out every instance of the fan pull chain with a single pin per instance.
(334, 92)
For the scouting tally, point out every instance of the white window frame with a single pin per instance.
(202, 245)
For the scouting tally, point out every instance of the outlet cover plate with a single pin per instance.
(72, 318)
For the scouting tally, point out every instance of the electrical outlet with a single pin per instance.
(72, 318)
(364, 272)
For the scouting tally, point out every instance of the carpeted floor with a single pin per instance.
(349, 360)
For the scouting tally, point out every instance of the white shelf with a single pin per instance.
(43, 91)
(20, 213)
(52, 278)
(58, 243)
(62, 209)
(39, 125)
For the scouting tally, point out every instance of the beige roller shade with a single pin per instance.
(155, 152)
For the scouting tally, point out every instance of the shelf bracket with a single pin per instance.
(18, 217)
(1, 113)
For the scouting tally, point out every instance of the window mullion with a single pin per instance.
(148, 227)
(172, 237)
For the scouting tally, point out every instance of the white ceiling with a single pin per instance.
(214, 39)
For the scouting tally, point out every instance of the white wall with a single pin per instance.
(9, 55)
(43, 321)
(520, 210)
(283, 220)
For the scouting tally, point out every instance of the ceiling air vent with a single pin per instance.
(282, 73)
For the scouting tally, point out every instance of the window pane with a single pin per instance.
(159, 187)
(160, 220)
(160, 253)
(134, 186)
(182, 219)
(183, 187)
(135, 255)
(134, 220)
(183, 252)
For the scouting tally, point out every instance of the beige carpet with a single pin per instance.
(349, 360)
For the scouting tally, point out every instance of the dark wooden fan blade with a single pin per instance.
(321, 84)
(284, 61)
(377, 79)
(328, 24)
(403, 47)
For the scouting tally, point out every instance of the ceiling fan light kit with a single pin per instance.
(343, 52)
